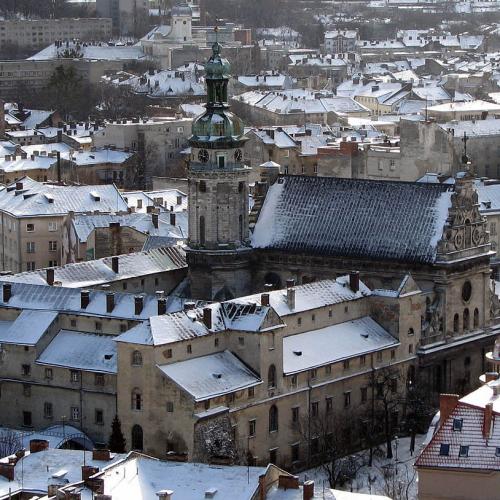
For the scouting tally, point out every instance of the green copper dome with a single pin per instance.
(217, 126)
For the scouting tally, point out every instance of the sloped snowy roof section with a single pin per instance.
(28, 327)
(357, 218)
(212, 375)
(334, 343)
(81, 351)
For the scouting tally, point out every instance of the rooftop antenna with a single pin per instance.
(465, 158)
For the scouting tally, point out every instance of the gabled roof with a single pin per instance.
(381, 220)
(212, 375)
(28, 328)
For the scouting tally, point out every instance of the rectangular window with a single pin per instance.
(170, 406)
(30, 247)
(393, 353)
(75, 413)
(362, 360)
(216, 342)
(251, 427)
(347, 399)
(30, 266)
(251, 392)
(47, 410)
(26, 370)
(379, 356)
(74, 376)
(241, 340)
(329, 404)
(464, 451)
(328, 369)
(99, 379)
(295, 414)
(394, 385)
(99, 417)
(299, 321)
(295, 452)
(313, 373)
(410, 348)
(314, 408)
(457, 424)
(52, 226)
(189, 349)
(168, 353)
(98, 326)
(48, 373)
(346, 364)
(364, 394)
(27, 418)
(27, 390)
(444, 450)
(293, 381)
(52, 246)
(314, 446)
(30, 228)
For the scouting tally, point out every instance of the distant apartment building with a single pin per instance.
(340, 41)
(32, 215)
(36, 33)
(130, 17)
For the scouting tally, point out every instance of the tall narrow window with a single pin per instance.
(476, 318)
(273, 419)
(136, 400)
(466, 320)
(137, 437)
(241, 227)
(271, 377)
(202, 230)
(456, 323)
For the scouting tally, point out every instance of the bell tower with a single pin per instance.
(218, 246)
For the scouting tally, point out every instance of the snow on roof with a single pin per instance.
(211, 376)
(99, 156)
(476, 128)
(55, 298)
(477, 105)
(35, 471)
(27, 328)
(352, 217)
(482, 452)
(97, 272)
(313, 295)
(334, 343)
(266, 80)
(81, 351)
(33, 200)
(100, 52)
(141, 477)
(489, 196)
(20, 164)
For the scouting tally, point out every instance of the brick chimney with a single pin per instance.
(7, 292)
(162, 306)
(262, 487)
(154, 219)
(37, 445)
(164, 494)
(87, 471)
(288, 482)
(308, 490)
(354, 281)
(264, 299)
(101, 454)
(290, 293)
(447, 403)
(138, 304)
(115, 264)
(50, 276)
(487, 420)
(110, 302)
(172, 218)
(84, 299)
(7, 470)
(207, 317)
(490, 376)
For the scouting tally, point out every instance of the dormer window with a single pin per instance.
(444, 449)
(463, 452)
(457, 424)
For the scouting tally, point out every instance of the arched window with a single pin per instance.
(466, 324)
(271, 377)
(137, 438)
(411, 332)
(456, 323)
(136, 358)
(273, 419)
(476, 318)
(136, 399)
(202, 230)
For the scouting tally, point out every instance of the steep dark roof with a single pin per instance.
(386, 220)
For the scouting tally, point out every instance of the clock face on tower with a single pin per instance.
(238, 155)
(203, 155)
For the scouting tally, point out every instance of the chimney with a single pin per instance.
(264, 299)
(19, 186)
(268, 287)
(88, 470)
(189, 306)
(37, 445)
(290, 293)
(447, 403)
(139, 304)
(262, 487)
(207, 317)
(172, 218)
(84, 299)
(308, 490)
(101, 454)
(7, 471)
(50, 276)
(115, 266)
(164, 494)
(490, 376)
(110, 302)
(487, 420)
(354, 281)
(162, 306)
(288, 482)
(154, 219)
(7, 292)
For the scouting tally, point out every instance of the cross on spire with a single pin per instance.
(465, 158)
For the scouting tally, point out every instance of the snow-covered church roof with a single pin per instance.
(381, 220)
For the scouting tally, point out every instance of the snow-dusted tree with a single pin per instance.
(10, 442)
(116, 440)
(397, 481)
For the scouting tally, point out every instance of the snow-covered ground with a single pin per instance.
(371, 479)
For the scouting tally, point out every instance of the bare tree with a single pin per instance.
(397, 480)
(10, 442)
(329, 436)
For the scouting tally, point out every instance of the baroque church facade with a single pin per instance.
(313, 228)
